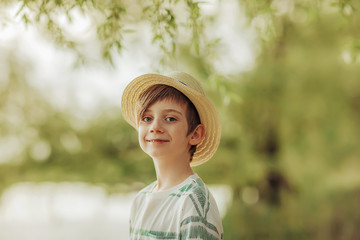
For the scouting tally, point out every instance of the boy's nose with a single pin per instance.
(156, 127)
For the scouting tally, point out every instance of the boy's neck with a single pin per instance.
(170, 175)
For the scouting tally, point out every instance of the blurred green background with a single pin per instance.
(290, 149)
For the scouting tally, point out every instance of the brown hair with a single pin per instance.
(160, 92)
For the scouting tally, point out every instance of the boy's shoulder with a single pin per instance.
(147, 189)
(192, 186)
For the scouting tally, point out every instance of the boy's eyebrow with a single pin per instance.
(166, 110)
(173, 110)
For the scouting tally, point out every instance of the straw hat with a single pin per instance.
(192, 89)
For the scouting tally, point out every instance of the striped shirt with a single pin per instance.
(186, 211)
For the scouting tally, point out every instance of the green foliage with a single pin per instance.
(113, 20)
(300, 217)
(297, 138)
(110, 32)
(290, 140)
(49, 145)
(163, 23)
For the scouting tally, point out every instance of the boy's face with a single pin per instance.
(163, 131)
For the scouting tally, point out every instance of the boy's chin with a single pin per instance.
(157, 155)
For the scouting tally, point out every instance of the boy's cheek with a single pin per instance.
(140, 131)
(141, 138)
(142, 144)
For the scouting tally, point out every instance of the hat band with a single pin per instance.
(183, 83)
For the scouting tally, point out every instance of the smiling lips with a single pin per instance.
(157, 140)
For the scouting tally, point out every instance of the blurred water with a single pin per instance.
(54, 211)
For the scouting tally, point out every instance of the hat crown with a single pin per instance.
(187, 80)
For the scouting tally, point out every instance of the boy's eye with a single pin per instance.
(170, 119)
(146, 119)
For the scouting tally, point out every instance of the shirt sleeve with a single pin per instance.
(201, 218)
(197, 227)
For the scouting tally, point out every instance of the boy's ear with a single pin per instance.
(197, 135)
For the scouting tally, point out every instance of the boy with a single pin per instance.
(178, 128)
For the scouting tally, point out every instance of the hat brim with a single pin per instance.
(208, 114)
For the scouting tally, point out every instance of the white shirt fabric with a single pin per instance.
(186, 211)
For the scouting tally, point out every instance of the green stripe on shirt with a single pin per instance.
(156, 234)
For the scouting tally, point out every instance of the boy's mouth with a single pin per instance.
(157, 140)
